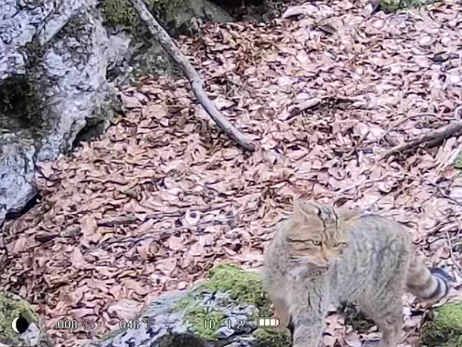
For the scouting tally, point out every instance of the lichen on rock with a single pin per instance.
(445, 329)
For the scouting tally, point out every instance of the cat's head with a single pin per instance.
(317, 235)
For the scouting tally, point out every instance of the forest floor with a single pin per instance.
(164, 195)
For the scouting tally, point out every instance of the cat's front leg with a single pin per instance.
(308, 310)
(307, 329)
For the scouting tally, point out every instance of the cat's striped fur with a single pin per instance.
(322, 256)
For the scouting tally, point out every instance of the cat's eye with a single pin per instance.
(316, 242)
(340, 244)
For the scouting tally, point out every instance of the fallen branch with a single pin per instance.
(196, 82)
(443, 133)
(401, 121)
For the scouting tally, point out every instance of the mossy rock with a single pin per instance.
(177, 15)
(266, 337)
(445, 328)
(242, 288)
(120, 12)
(396, 5)
(458, 162)
(16, 313)
(222, 310)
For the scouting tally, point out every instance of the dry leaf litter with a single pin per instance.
(164, 195)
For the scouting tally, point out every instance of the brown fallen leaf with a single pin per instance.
(166, 266)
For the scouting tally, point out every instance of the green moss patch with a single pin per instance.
(243, 286)
(445, 329)
(396, 5)
(269, 338)
(121, 12)
(458, 162)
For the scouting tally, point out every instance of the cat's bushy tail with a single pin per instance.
(429, 285)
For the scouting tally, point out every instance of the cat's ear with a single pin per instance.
(303, 209)
(347, 214)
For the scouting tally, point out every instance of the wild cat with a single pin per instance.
(322, 256)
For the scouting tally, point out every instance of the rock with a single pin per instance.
(222, 310)
(60, 61)
(16, 312)
(53, 60)
(445, 329)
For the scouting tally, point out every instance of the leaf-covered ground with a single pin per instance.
(163, 195)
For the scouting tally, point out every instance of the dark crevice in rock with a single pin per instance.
(29, 206)
(99, 121)
(20, 107)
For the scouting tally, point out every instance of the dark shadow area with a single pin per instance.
(248, 10)
(30, 204)
(20, 106)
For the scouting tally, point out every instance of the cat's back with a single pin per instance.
(379, 251)
(378, 232)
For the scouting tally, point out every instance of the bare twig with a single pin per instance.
(360, 141)
(196, 82)
(443, 133)
(404, 120)
(297, 109)
(121, 220)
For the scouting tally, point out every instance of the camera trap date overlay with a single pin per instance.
(135, 324)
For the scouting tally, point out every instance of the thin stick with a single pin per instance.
(443, 133)
(196, 82)
(361, 139)
(405, 119)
